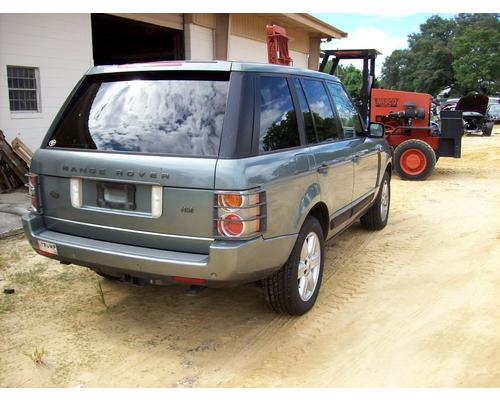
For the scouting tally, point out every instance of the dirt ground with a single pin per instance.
(417, 304)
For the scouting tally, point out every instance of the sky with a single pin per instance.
(382, 32)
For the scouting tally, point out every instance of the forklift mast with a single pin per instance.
(368, 56)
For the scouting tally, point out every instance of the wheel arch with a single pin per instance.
(320, 212)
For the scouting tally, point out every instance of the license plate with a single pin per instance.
(47, 247)
(120, 196)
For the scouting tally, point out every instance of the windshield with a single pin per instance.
(495, 109)
(181, 116)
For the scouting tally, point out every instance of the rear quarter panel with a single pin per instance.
(290, 184)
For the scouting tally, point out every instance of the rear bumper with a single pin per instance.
(228, 262)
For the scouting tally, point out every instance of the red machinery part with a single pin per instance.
(383, 102)
(413, 162)
(277, 45)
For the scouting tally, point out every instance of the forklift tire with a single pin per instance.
(414, 160)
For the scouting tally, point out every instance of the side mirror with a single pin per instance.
(376, 130)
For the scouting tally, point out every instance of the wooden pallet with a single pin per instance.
(22, 150)
(13, 169)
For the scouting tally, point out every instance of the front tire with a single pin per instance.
(414, 159)
(293, 289)
(377, 215)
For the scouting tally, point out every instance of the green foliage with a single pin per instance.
(100, 295)
(351, 77)
(37, 356)
(462, 53)
(476, 55)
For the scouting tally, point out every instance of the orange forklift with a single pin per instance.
(417, 142)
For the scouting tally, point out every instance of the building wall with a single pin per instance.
(60, 45)
(244, 49)
(199, 42)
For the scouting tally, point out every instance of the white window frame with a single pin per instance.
(26, 113)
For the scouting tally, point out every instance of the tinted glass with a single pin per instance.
(326, 125)
(278, 122)
(304, 107)
(348, 114)
(178, 117)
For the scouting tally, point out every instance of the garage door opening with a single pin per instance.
(118, 40)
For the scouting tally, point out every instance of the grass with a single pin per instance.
(31, 277)
(14, 254)
(37, 355)
(100, 295)
(6, 303)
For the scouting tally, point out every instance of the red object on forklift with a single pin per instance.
(277, 45)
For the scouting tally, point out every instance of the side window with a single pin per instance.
(326, 125)
(304, 107)
(348, 114)
(278, 122)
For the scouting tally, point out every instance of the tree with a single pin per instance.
(352, 78)
(476, 55)
(395, 71)
(425, 66)
(462, 53)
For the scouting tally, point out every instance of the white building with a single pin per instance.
(42, 56)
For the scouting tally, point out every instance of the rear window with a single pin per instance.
(151, 113)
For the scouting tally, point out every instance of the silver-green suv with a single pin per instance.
(209, 174)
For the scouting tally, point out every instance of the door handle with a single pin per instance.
(323, 168)
(379, 147)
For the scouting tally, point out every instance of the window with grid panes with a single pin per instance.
(23, 88)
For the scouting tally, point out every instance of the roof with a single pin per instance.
(313, 26)
(227, 66)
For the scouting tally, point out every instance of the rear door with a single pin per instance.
(333, 158)
(132, 159)
(366, 152)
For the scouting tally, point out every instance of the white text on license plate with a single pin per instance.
(47, 247)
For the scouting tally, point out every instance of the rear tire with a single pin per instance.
(378, 214)
(293, 289)
(414, 159)
(488, 127)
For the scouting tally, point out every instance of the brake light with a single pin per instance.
(33, 189)
(239, 215)
(231, 225)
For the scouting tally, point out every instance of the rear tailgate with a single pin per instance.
(185, 223)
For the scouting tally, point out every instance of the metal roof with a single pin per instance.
(227, 66)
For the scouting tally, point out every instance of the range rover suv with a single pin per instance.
(209, 174)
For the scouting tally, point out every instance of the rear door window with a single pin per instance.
(324, 119)
(348, 114)
(278, 122)
(146, 114)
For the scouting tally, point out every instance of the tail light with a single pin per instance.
(240, 215)
(34, 192)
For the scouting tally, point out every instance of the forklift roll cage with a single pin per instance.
(368, 56)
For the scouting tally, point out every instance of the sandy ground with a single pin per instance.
(417, 304)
